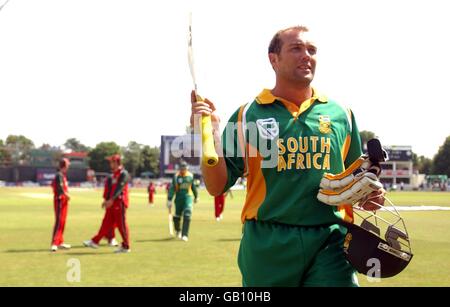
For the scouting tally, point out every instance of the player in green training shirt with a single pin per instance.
(185, 192)
(283, 142)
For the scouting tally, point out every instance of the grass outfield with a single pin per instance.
(208, 259)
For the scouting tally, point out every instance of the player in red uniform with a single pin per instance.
(111, 236)
(219, 204)
(151, 193)
(116, 202)
(61, 202)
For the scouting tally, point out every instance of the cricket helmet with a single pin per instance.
(372, 253)
(365, 248)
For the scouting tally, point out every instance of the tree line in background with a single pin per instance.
(137, 158)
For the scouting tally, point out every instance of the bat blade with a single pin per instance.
(191, 54)
(3, 5)
(209, 155)
(171, 225)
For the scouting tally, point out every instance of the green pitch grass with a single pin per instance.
(208, 259)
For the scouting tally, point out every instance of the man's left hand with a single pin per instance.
(108, 203)
(373, 201)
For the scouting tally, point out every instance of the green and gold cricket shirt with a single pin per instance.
(183, 188)
(284, 150)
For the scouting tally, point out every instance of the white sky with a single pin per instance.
(108, 70)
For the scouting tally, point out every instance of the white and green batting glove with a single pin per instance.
(358, 189)
(358, 181)
(169, 204)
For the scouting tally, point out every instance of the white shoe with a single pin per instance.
(179, 234)
(217, 219)
(113, 243)
(122, 250)
(91, 244)
(185, 238)
(54, 248)
(65, 246)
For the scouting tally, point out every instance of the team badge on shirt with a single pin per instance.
(324, 124)
(268, 128)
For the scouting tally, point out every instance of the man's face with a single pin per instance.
(114, 165)
(297, 59)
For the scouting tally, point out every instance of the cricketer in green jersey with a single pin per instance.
(185, 192)
(283, 142)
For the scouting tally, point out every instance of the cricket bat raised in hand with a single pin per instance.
(209, 155)
(3, 5)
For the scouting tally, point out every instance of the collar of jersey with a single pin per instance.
(187, 174)
(266, 97)
(119, 170)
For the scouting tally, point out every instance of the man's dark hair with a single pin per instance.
(276, 43)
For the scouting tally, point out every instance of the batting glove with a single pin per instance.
(169, 204)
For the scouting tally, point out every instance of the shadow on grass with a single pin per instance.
(229, 240)
(61, 251)
(156, 240)
(86, 253)
(20, 251)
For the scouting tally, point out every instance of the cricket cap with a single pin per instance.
(183, 165)
(64, 162)
(115, 158)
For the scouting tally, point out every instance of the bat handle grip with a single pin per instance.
(209, 154)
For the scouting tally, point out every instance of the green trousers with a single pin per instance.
(183, 209)
(282, 255)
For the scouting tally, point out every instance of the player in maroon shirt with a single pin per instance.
(61, 202)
